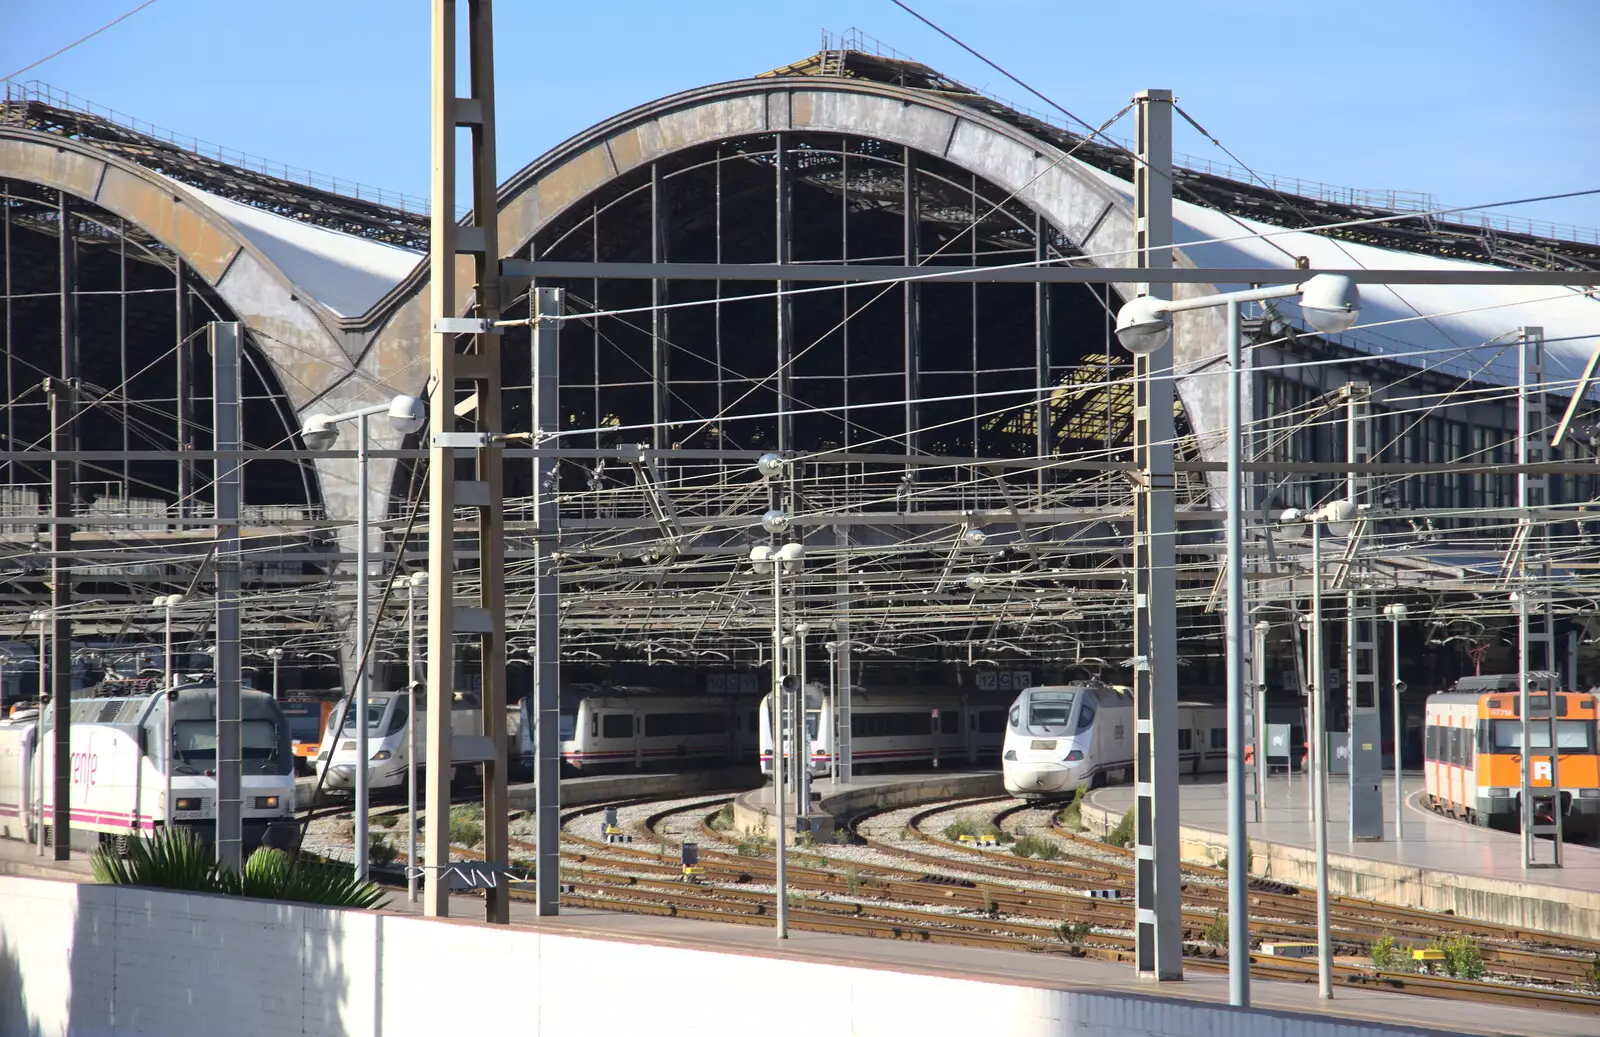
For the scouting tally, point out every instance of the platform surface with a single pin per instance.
(1430, 840)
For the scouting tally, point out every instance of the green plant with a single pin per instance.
(1216, 933)
(1122, 834)
(990, 907)
(722, 820)
(1462, 959)
(168, 858)
(1390, 956)
(852, 883)
(1249, 857)
(380, 851)
(1591, 980)
(1036, 846)
(466, 825)
(273, 875)
(1073, 933)
(1071, 816)
(977, 829)
(177, 859)
(385, 820)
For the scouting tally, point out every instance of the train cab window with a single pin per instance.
(616, 725)
(1049, 710)
(1185, 740)
(1219, 738)
(1572, 736)
(397, 719)
(569, 727)
(1085, 715)
(1016, 716)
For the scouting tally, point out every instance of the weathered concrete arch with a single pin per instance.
(296, 334)
(1094, 217)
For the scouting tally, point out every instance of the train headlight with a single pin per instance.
(1011, 754)
(1075, 755)
(266, 802)
(188, 804)
(381, 754)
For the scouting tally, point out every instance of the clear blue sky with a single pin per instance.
(1471, 100)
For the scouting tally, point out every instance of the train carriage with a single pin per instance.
(119, 766)
(1473, 750)
(891, 727)
(1058, 737)
(627, 727)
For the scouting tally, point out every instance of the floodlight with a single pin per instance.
(761, 558)
(319, 432)
(407, 414)
(1330, 303)
(1143, 325)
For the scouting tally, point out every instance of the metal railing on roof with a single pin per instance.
(43, 93)
(1386, 199)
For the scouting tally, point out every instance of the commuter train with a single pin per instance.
(617, 727)
(119, 767)
(1059, 737)
(1473, 749)
(894, 726)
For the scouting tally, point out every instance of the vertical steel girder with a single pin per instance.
(452, 374)
(226, 341)
(1158, 922)
(1535, 623)
(1364, 726)
(63, 394)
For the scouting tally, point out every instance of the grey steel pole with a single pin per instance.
(1238, 874)
(277, 692)
(833, 711)
(1399, 792)
(547, 612)
(1258, 660)
(802, 733)
(228, 488)
(411, 740)
(1319, 768)
(38, 740)
(362, 689)
(779, 850)
(1525, 803)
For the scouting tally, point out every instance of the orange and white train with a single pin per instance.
(1473, 748)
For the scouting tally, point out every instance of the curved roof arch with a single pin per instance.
(1089, 213)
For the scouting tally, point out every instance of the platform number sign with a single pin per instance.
(1004, 680)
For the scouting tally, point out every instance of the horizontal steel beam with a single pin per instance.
(1053, 274)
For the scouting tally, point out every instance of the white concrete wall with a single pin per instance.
(91, 960)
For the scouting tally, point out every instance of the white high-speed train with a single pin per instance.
(895, 726)
(389, 741)
(1062, 736)
(119, 766)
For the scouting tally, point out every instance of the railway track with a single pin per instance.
(963, 896)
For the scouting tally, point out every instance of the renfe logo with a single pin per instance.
(1541, 770)
(84, 766)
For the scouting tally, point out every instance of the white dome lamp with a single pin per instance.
(407, 414)
(1144, 325)
(320, 432)
(1340, 515)
(1330, 303)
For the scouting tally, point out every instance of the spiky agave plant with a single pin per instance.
(273, 875)
(168, 858)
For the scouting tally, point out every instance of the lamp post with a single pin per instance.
(168, 602)
(276, 655)
(412, 583)
(1330, 304)
(802, 731)
(764, 559)
(320, 432)
(1339, 515)
(1396, 612)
